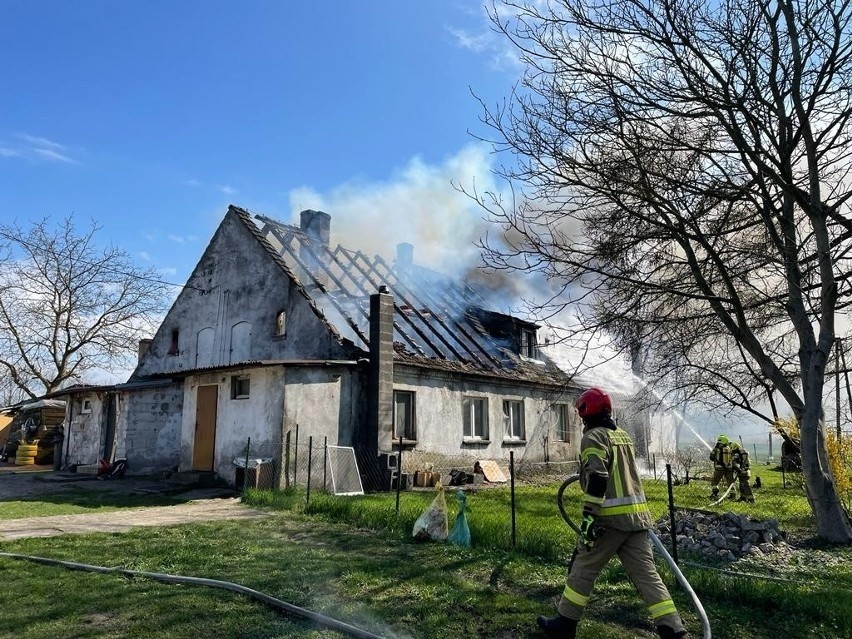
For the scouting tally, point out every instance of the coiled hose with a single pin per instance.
(320, 620)
(705, 622)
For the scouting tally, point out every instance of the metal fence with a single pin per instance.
(520, 494)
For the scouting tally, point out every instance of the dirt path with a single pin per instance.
(124, 520)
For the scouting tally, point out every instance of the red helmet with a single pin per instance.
(592, 403)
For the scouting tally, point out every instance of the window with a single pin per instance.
(280, 324)
(475, 411)
(528, 343)
(86, 406)
(403, 415)
(561, 425)
(240, 387)
(513, 418)
(173, 346)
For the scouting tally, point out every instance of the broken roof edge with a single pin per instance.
(245, 216)
(550, 379)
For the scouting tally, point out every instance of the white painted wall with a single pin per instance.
(439, 416)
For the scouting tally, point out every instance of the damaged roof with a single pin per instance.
(439, 322)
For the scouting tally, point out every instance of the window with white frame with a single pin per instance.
(513, 419)
(475, 411)
(561, 423)
(403, 415)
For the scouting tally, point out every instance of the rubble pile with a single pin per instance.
(729, 536)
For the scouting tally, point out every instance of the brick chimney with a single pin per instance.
(378, 433)
(143, 348)
(317, 226)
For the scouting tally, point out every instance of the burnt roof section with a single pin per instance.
(438, 322)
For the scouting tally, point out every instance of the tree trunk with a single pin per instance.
(832, 522)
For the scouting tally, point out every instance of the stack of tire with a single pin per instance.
(26, 454)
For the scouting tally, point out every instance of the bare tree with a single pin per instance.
(685, 171)
(68, 308)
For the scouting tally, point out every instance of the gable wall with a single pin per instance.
(226, 313)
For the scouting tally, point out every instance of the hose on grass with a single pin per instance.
(684, 583)
(278, 604)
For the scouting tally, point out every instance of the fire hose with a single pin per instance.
(318, 619)
(661, 549)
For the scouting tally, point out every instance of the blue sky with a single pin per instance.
(150, 118)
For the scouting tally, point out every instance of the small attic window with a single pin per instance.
(529, 345)
(280, 324)
(173, 345)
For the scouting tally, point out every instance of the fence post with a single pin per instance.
(512, 479)
(398, 474)
(287, 460)
(671, 511)
(654, 465)
(296, 459)
(310, 454)
(245, 473)
(325, 464)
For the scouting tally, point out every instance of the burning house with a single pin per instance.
(277, 328)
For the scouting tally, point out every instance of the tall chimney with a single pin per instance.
(404, 256)
(378, 434)
(317, 226)
(144, 347)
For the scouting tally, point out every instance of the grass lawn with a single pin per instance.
(73, 500)
(353, 559)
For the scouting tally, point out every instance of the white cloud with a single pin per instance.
(193, 183)
(178, 239)
(145, 256)
(50, 154)
(36, 141)
(168, 271)
(35, 149)
(227, 189)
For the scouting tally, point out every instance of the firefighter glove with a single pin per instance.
(588, 530)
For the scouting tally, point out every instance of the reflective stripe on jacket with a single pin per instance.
(608, 454)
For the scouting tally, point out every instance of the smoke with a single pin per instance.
(420, 204)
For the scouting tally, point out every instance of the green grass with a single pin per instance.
(353, 559)
(76, 500)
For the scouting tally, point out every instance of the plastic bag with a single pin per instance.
(432, 523)
(460, 534)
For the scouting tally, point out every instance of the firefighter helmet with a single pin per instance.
(722, 439)
(593, 403)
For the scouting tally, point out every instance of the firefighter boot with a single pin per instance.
(667, 632)
(558, 626)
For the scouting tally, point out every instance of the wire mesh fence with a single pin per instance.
(512, 504)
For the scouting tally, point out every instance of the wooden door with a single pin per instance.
(205, 427)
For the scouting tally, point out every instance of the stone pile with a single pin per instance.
(729, 536)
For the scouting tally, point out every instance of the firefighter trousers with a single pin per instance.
(634, 550)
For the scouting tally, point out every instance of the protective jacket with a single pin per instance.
(612, 489)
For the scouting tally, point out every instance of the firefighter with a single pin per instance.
(615, 522)
(722, 457)
(740, 463)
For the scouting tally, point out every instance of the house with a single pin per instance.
(276, 330)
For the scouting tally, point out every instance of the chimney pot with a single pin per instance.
(384, 289)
